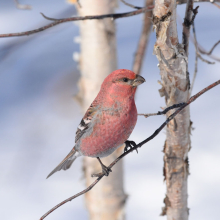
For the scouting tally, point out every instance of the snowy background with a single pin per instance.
(38, 117)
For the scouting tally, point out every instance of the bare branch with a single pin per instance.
(218, 6)
(210, 52)
(197, 48)
(59, 21)
(203, 51)
(200, 48)
(180, 2)
(204, 60)
(144, 38)
(48, 18)
(113, 16)
(22, 7)
(130, 5)
(183, 105)
(190, 15)
(195, 73)
(196, 60)
(197, 55)
(164, 111)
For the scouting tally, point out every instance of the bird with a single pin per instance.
(108, 122)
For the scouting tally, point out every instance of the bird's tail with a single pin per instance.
(66, 163)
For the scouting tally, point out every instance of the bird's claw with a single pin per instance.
(106, 170)
(130, 145)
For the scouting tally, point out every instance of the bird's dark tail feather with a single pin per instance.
(66, 163)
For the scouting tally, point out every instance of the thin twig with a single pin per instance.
(197, 48)
(143, 41)
(113, 16)
(190, 15)
(204, 60)
(180, 2)
(164, 111)
(48, 18)
(195, 73)
(200, 48)
(203, 51)
(196, 60)
(218, 6)
(192, 99)
(59, 21)
(23, 7)
(210, 52)
(130, 5)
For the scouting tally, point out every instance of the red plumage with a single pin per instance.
(109, 121)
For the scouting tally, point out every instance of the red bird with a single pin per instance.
(108, 122)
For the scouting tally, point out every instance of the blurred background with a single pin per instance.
(39, 116)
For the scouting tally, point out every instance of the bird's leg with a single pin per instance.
(130, 145)
(105, 169)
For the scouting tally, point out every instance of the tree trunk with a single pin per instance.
(175, 87)
(97, 60)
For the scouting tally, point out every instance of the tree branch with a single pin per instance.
(183, 105)
(63, 20)
(196, 60)
(210, 52)
(198, 50)
(190, 15)
(218, 6)
(180, 2)
(164, 111)
(201, 49)
(130, 5)
(113, 16)
(144, 38)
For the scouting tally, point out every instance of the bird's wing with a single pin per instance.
(86, 121)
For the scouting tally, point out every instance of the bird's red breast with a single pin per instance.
(112, 127)
(114, 115)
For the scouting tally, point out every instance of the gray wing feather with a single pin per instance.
(66, 163)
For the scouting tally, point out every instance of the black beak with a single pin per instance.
(138, 81)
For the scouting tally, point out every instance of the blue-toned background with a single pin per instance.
(38, 117)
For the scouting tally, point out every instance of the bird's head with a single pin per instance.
(122, 83)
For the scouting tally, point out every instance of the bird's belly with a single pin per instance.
(108, 134)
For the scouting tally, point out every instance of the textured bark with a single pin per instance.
(175, 87)
(97, 60)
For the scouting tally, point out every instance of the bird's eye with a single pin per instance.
(125, 79)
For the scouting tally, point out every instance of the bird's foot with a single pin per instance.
(130, 145)
(105, 170)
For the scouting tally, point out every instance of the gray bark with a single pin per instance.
(175, 88)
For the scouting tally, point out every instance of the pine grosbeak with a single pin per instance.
(108, 122)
